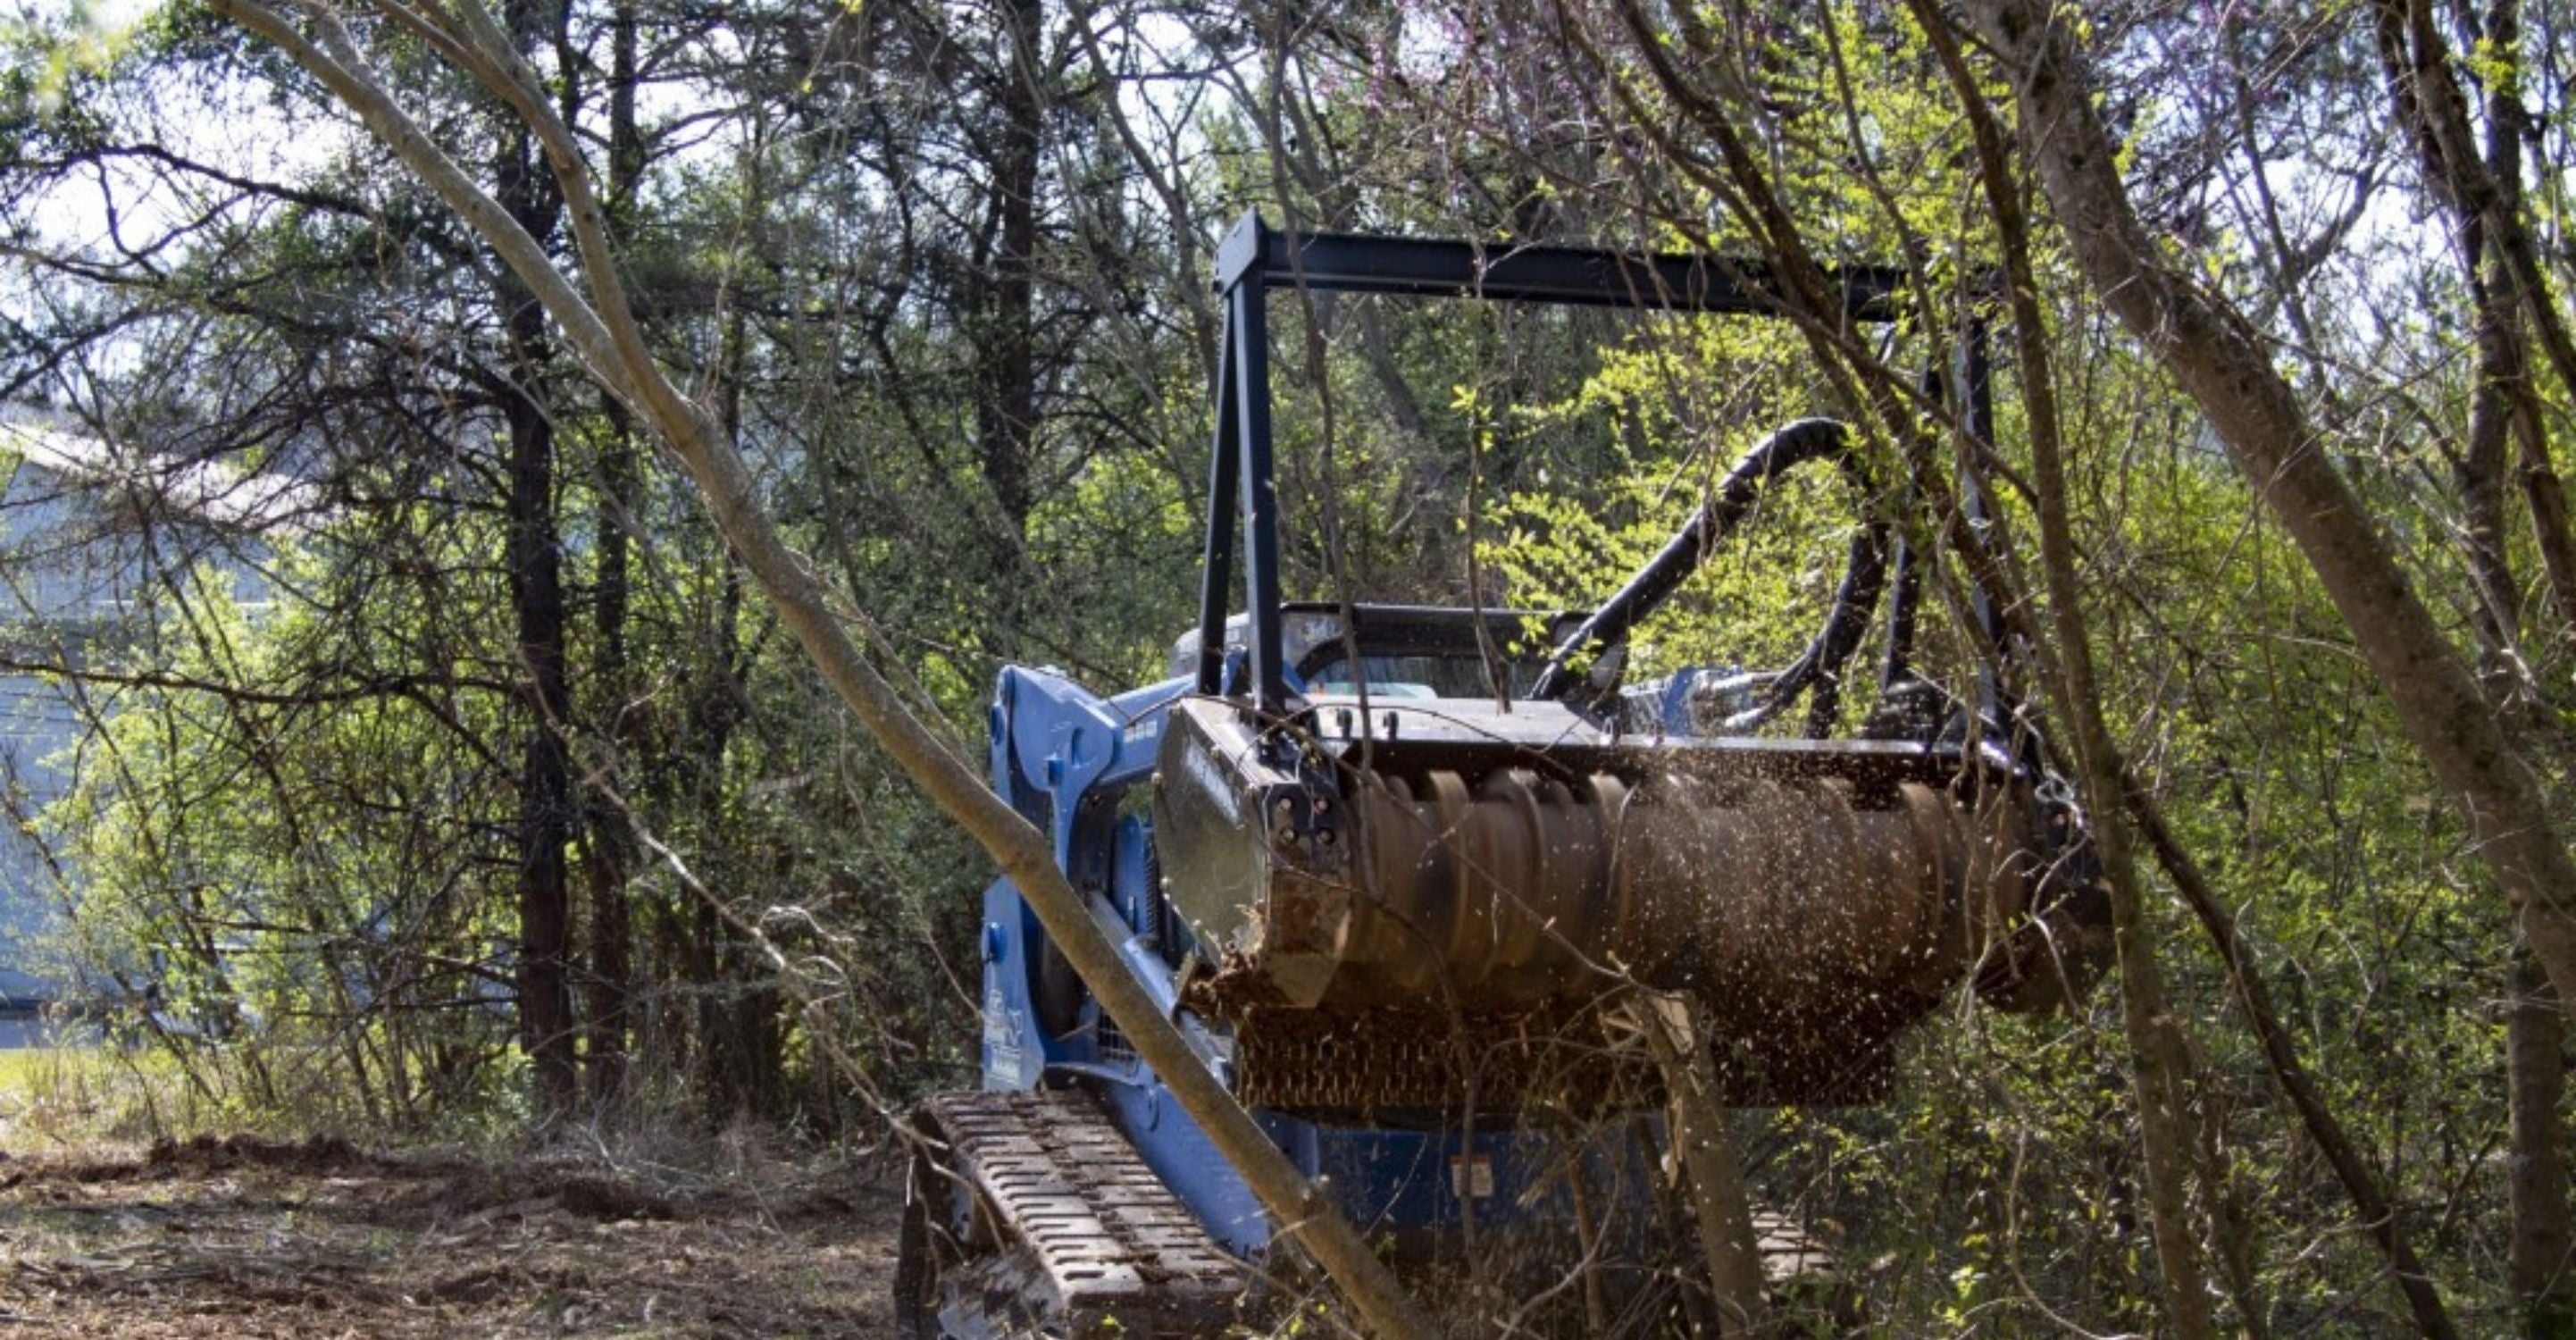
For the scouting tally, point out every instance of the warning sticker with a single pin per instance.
(1472, 1177)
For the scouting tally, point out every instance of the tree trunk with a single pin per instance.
(611, 851)
(739, 1042)
(2539, 1271)
(2224, 366)
(2485, 199)
(729, 1043)
(1707, 1153)
(2505, 406)
(2509, 363)
(2479, 473)
(534, 556)
(1006, 389)
(546, 1022)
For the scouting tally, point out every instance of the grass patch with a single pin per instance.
(73, 1096)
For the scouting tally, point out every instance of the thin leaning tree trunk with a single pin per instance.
(1718, 1196)
(2155, 1036)
(601, 327)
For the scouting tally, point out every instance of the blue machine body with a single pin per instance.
(1074, 762)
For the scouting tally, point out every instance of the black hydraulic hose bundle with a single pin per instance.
(1846, 623)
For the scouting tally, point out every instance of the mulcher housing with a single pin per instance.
(1398, 872)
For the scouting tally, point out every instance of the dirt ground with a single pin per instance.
(247, 1237)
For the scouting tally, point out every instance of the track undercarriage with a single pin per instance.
(1028, 1216)
(1031, 1214)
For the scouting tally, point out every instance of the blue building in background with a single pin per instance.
(89, 528)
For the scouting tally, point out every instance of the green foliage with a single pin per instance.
(1681, 402)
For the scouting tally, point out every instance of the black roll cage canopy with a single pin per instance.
(1255, 258)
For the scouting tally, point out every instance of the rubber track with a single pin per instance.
(1116, 1253)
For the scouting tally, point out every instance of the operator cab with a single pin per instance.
(1428, 653)
(1405, 651)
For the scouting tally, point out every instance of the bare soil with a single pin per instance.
(249, 1237)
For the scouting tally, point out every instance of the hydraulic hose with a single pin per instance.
(1821, 664)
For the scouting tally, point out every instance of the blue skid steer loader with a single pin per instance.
(1398, 874)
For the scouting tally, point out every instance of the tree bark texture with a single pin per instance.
(2540, 1268)
(1005, 336)
(612, 847)
(2505, 409)
(2485, 198)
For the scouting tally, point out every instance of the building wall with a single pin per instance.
(84, 533)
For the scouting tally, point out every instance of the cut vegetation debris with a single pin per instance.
(248, 1237)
